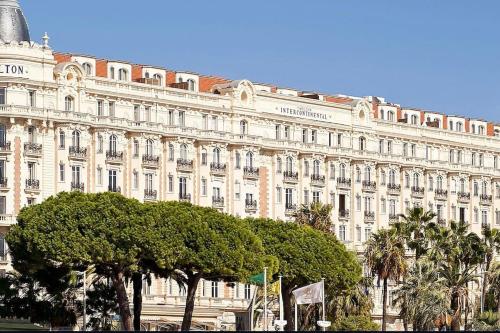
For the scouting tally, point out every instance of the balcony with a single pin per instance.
(393, 218)
(6, 220)
(250, 173)
(463, 197)
(440, 194)
(77, 153)
(369, 217)
(185, 165)
(417, 191)
(217, 202)
(394, 189)
(290, 210)
(150, 195)
(369, 186)
(32, 185)
(250, 206)
(218, 169)
(33, 149)
(485, 199)
(4, 184)
(441, 221)
(5, 148)
(290, 177)
(78, 186)
(344, 214)
(184, 197)
(114, 156)
(344, 183)
(114, 189)
(318, 180)
(151, 161)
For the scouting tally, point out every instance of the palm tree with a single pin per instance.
(491, 244)
(494, 279)
(414, 227)
(316, 215)
(385, 257)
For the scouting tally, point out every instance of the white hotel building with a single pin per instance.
(77, 123)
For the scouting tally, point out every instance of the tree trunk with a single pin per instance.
(123, 306)
(287, 309)
(485, 281)
(498, 303)
(137, 283)
(192, 284)
(457, 314)
(384, 305)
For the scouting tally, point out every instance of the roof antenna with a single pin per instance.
(46, 39)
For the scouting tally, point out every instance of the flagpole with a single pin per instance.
(253, 307)
(265, 299)
(296, 317)
(323, 280)
(281, 306)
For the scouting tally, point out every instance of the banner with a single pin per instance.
(310, 294)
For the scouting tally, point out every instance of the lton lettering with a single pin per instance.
(12, 69)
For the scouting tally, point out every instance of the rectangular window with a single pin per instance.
(100, 108)
(316, 196)
(278, 194)
(306, 168)
(204, 122)
(484, 217)
(237, 191)
(306, 197)
(3, 207)
(389, 147)
(342, 232)
(148, 182)
(171, 117)
(182, 118)
(304, 136)
(358, 233)
(75, 174)
(99, 176)
(381, 146)
(61, 172)
(215, 289)
(278, 132)
(358, 203)
(368, 233)
(332, 199)
(113, 180)
(215, 123)
(383, 205)
(32, 98)
(287, 132)
(413, 150)
(137, 113)
(147, 114)
(203, 187)
(288, 198)
(247, 291)
(136, 180)
(339, 140)
(171, 183)
(3, 95)
(314, 136)
(112, 109)
(183, 187)
(497, 217)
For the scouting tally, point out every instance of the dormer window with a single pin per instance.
(191, 85)
(123, 74)
(112, 73)
(87, 68)
(460, 127)
(158, 78)
(414, 120)
(390, 115)
(480, 130)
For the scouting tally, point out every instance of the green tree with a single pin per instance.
(101, 305)
(385, 257)
(355, 323)
(494, 286)
(305, 256)
(414, 228)
(316, 215)
(491, 245)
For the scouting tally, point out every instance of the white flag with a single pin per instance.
(310, 294)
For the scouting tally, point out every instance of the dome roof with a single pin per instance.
(13, 26)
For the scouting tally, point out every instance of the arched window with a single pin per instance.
(184, 152)
(392, 177)
(146, 75)
(390, 115)
(279, 165)
(362, 143)
(460, 127)
(62, 139)
(368, 174)
(69, 103)
(249, 160)
(158, 78)
(149, 147)
(414, 119)
(289, 164)
(75, 139)
(112, 143)
(439, 184)
(87, 68)
(123, 74)
(416, 180)
(243, 127)
(191, 85)
(480, 130)
(316, 168)
(358, 175)
(342, 171)
(216, 156)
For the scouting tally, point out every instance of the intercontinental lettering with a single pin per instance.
(12, 69)
(303, 112)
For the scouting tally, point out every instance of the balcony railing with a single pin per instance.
(5, 147)
(77, 152)
(485, 199)
(78, 186)
(393, 218)
(369, 186)
(114, 156)
(184, 197)
(441, 221)
(290, 209)
(344, 213)
(250, 205)
(6, 220)
(115, 189)
(217, 201)
(441, 194)
(417, 191)
(463, 196)
(369, 216)
(290, 177)
(4, 183)
(218, 168)
(150, 194)
(393, 188)
(32, 149)
(344, 183)
(32, 185)
(151, 160)
(185, 165)
(251, 172)
(318, 180)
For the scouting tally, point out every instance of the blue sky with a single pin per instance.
(438, 55)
